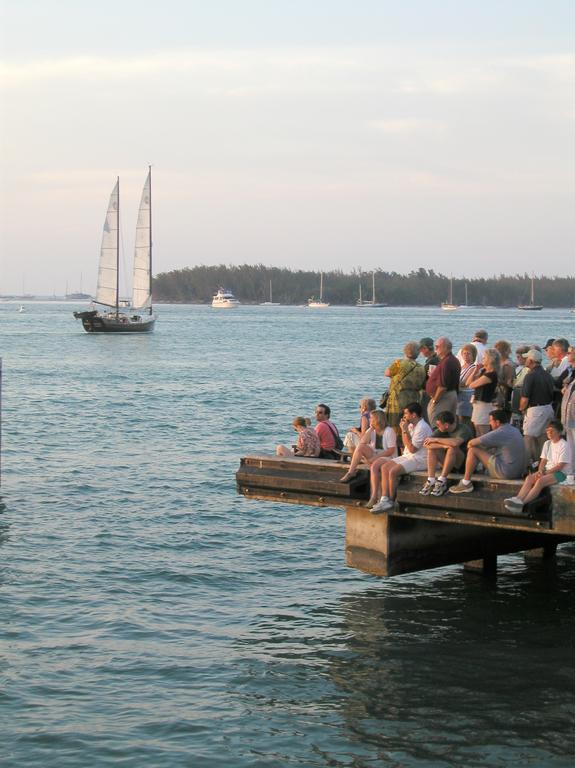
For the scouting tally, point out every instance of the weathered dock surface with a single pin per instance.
(421, 531)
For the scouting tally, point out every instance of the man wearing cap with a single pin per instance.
(536, 404)
(431, 360)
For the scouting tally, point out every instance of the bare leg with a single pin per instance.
(538, 486)
(434, 456)
(375, 478)
(394, 473)
(474, 456)
(453, 457)
(363, 452)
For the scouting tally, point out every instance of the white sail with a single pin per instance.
(108, 269)
(141, 296)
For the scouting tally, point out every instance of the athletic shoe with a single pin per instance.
(461, 488)
(439, 488)
(512, 500)
(427, 488)
(513, 506)
(371, 503)
(383, 506)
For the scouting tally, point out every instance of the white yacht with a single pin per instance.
(224, 300)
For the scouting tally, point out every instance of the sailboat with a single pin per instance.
(532, 306)
(373, 302)
(321, 304)
(449, 306)
(135, 316)
(271, 302)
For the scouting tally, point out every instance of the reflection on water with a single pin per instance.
(454, 671)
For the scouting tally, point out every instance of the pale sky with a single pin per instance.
(318, 134)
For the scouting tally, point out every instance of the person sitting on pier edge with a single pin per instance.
(407, 377)
(379, 440)
(307, 440)
(536, 404)
(485, 389)
(354, 435)
(443, 383)
(431, 360)
(446, 446)
(414, 431)
(501, 451)
(327, 433)
(556, 463)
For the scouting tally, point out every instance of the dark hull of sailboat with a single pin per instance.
(530, 307)
(94, 322)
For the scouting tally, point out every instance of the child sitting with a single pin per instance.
(554, 466)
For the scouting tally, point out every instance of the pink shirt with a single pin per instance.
(326, 435)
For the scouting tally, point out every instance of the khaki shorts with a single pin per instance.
(536, 420)
(412, 462)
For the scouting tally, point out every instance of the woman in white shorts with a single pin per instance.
(484, 391)
(379, 441)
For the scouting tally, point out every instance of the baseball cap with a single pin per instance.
(548, 343)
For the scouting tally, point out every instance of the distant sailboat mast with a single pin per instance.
(118, 251)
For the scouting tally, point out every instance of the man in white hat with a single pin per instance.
(536, 404)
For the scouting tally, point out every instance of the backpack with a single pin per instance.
(337, 438)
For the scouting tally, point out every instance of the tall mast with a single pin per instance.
(321, 287)
(150, 175)
(532, 291)
(373, 287)
(118, 251)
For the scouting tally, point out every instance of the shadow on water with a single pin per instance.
(452, 670)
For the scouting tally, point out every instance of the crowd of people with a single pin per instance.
(477, 409)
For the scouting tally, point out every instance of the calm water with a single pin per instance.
(151, 617)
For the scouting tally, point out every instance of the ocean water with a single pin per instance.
(150, 616)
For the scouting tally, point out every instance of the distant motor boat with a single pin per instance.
(224, 299)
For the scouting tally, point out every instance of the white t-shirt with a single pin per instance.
(418, 433)
(558, 453)
(388, 439)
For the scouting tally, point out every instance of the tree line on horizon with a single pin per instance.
(420, 287)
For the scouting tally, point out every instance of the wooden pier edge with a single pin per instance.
(420, 532)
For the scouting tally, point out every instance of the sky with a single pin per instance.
(319, 134)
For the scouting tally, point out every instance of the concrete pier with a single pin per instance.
(420, 532)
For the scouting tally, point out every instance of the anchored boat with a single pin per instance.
(124, 317)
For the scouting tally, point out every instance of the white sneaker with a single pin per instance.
(383, 505)
(512, 500)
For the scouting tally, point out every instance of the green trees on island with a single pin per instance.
(421, 287)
